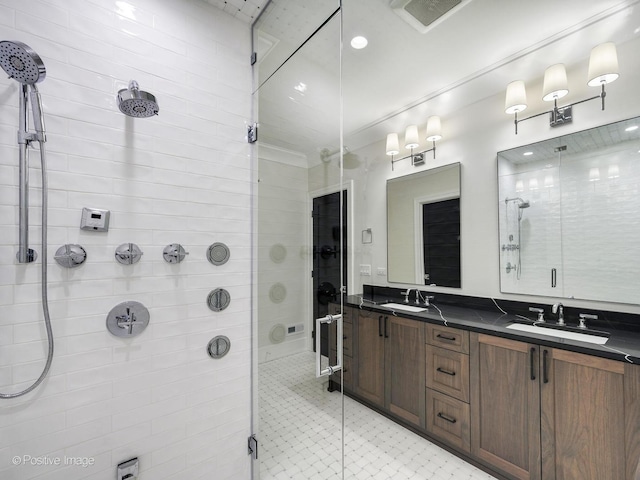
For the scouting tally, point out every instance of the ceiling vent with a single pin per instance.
(425, 14)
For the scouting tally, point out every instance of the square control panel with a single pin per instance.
(95, 219)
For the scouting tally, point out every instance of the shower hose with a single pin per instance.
(45, 300)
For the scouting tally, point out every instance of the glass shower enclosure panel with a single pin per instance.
(297, 414)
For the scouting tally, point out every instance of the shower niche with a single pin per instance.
(569, 215)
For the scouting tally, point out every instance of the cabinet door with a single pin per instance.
(582, 416)
(369, 357)
(505, 406)
(405, 369)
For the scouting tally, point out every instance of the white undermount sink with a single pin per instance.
(403, 307)
(554, 332)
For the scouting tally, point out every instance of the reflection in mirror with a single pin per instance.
(423, 227)
(570, 207)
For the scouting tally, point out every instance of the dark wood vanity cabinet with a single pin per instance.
(527, 411)
(505, 405)
(389, 364)
(544, 413)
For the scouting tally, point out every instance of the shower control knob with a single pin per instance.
(174, 253)
(128, 254)
(128, 319)
(70, 255)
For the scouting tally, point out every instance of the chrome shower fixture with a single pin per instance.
(24, 65)
(135, 103)
(21, 63)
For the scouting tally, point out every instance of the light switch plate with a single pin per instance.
(95, 219)
(365, 270)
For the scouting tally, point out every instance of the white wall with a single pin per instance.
(473, 136)
(184, 177)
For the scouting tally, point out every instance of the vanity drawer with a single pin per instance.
(347, 339)
(448, 372)
(347, 315)
(346, 375)
(447, 337)
(448, 419)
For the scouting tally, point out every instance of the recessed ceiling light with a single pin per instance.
(631, 128)
(359, 42)
(526, 154)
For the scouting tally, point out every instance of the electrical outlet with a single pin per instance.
(382, 271)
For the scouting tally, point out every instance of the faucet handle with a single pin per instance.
(539, 311)
(584, 317)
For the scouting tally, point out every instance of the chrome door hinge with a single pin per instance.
(254, 58)
(252, 444)
(252, 133)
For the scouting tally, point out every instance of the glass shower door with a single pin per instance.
(298, 418)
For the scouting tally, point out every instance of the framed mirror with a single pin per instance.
(423, 228)
(569, 215)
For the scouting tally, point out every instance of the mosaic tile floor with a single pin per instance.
(300, 434)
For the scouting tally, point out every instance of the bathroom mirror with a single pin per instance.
(569, 215)
(423, 227)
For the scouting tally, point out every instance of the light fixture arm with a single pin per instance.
(416, 158)
(561, 115)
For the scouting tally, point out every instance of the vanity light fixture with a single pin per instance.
(412, 142)
(603, 69)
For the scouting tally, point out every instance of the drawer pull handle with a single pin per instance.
(532, 363)
(445, 417)
(446, 372)
(446, 337)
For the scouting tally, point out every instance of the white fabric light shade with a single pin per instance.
(555, 83)
(434, 129)
(516, 99)
(393, 146)
(603, 65)
(411, 139)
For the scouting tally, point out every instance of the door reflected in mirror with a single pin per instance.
(423, 228)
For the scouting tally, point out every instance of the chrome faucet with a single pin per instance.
(406, 295)
(559, 309)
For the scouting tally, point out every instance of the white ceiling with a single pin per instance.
(403, 76)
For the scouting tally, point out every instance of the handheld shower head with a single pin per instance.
(21, 63)
(136, 103)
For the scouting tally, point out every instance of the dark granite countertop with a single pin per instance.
(623, 344)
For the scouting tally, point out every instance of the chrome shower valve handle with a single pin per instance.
(128, 319)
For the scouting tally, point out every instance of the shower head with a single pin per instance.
(21, 63)
(524, 204)
(136, 103)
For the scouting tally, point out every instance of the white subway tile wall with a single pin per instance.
(180, 177)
